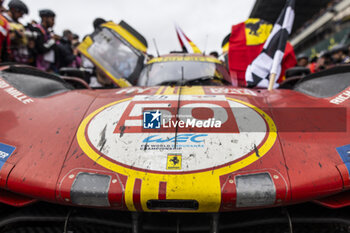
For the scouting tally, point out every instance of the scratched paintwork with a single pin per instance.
(212, 149)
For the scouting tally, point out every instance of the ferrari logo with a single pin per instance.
(257, 31)
(174, 162)
(254, 27)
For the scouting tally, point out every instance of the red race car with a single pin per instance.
(180, 152)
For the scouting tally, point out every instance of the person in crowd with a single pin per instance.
(18, 38)
(17, 9)
(64, 50)
(339, 54)
(66, 39)
(97, 23)
(77, 62)
(324, 61)
(75, 40)
(302, 60)
(67, 52)
(312, 63)
(45, 42)
(5, 42)
(2, 8)
(214, 54)
(85, 62)
(100, 80)
(31, 34)
(75, 44)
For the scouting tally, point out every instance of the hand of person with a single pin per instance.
(75, 51)
(56, 37)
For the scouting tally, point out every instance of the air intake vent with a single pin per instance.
(90, 189)
(172, 205)
(255, 190)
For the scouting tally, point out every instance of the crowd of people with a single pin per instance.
(339, 54)
(35, 44)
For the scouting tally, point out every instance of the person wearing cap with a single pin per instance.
(324, 61)
(18, 44)
(45, 41)
(17, 9)
(65, 54)
(302, 60)
(339, 54)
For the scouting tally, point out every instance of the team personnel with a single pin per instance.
(339, 54)
(45, 41)
(18, 45)
(17, 9)
(99, 80)
(65, 56)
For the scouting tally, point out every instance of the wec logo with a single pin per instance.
(197, 138)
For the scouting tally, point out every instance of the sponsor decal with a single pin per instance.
(151, 119)
(137, 90)
(209, 123)
(15, 93)
(195, 113)
(184, 58)
(5, 152)
(341, 97)
(236, 91)
(154, 120)
(174, 162)
(157, 142)
(3, 155)
(344, 152)
(214, 130)
(196, 138)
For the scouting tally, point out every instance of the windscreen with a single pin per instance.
(109, 51)
(177, 72)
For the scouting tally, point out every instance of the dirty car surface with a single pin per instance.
(271, 156)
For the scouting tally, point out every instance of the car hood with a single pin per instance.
(127, 148)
